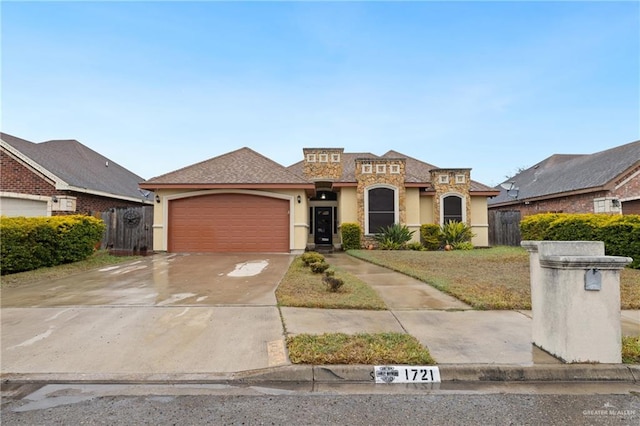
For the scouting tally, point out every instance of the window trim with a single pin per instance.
(381, 169)
(394, 169)
(323, 158)
(463, 205)
(396, 209)
(443, 179)
(460, 178)
(311, 158)
(335, 158)
(367, 169)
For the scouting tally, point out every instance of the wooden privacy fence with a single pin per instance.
(504, 228)
(129, 230)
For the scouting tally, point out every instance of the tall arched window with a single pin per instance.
(380, 208)
(452, 209)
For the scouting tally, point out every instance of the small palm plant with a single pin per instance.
(393, 237)
(456, 235)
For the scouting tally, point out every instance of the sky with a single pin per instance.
(156, 86)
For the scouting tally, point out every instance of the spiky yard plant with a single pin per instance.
(393, 237)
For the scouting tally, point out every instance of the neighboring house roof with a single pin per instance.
(243, 166)
(561, 174)
(75, 167)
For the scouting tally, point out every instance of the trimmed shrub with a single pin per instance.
(351, 236)
(33, 242)
(333, 283)
(319, 267)
(620, 234)
(430, 235)
(311, 257)
(534, 228)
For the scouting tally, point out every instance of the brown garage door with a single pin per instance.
(631, 207)
(228, 223)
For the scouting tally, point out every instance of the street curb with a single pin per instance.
(350, 374)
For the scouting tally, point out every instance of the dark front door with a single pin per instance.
(324, 223)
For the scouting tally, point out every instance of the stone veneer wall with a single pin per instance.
(451, 187)
(376, 177)
(329, 170)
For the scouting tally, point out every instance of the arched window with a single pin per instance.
(452, 209)
(380, 208)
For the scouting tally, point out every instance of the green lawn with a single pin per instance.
(339, 348)
(302, 288)
(496, 278)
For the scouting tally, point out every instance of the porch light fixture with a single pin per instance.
(54, 199)
(299, 199)
(158, 199)
(323, 196)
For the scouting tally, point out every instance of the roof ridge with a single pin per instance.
(226, 154)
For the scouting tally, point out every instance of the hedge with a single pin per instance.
(28, 243)
(620, 234)
(351, 235)
(430, 235)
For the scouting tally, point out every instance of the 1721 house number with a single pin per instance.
(406, 374)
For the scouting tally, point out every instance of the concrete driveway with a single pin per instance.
(168, 313)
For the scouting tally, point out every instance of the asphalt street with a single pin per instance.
(303, 404)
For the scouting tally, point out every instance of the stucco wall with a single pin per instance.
(479, 221)
(426, 210)
(347, 205)
(413, 212)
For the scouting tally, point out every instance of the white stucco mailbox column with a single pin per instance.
(575, 300)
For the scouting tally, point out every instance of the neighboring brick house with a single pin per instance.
(604, 182)
(62, 177)
(243, 201)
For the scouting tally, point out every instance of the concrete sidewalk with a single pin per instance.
(196, 340)
(453, 332)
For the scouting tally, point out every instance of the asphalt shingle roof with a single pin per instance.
(562, 173)
(243, 166)
(79, 166)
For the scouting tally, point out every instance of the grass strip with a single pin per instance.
(304, 289)
(370, 349)
(631, 349)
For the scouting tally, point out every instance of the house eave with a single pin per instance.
(104, 194)
(550, 196)
(484, 193)
(156, 186)
(345, 184)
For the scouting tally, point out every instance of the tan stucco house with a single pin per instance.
(244, 202)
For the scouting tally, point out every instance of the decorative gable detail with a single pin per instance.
(323, 164)
(451, 181)
(380, 171)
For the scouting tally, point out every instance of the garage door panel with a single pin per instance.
(229, 223)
